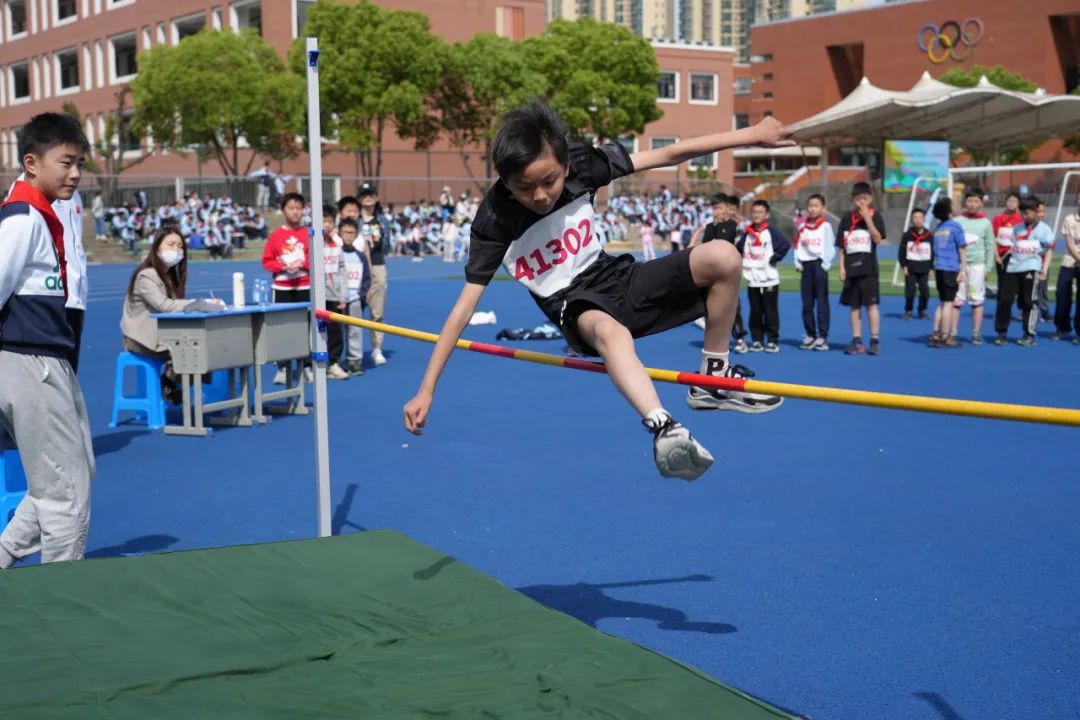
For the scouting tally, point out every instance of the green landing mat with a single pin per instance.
(370, 625)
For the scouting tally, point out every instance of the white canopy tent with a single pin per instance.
(982, 118)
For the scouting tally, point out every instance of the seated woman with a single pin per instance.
(157, 286)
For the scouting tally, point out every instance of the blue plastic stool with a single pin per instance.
(12, 485)
(147, 401)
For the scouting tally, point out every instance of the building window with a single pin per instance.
(187, 26)
(302, 7)
(20, 81)
(703, 87)
(767, 76)
(248, 15)
(67, 70)
(767, 95)
(742, 120)
(667, 89)
(742, 86)
(661, 142)
(66, 10)
(123, 51)
(708, 162)
(129, 141)
(510, 22)
(16, 18)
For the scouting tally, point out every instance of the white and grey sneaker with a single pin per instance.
(821, 345)
(807, 343)
(741, 348)
(676, 452)
(700, 398)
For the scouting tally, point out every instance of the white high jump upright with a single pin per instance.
(318, 292)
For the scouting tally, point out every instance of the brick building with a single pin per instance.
(84, 51)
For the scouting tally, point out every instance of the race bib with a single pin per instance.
(1005, 236)
(858, 241)
(919, 252)
(554, 251)
(812, 241)
(755, 256)
(970, 239)
(355, 278)
(1026, 248)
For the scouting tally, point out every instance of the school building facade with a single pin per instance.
(802, 66)
(85, 51)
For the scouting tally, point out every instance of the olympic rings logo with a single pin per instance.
(953, 39)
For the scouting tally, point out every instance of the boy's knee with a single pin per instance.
(608, 331)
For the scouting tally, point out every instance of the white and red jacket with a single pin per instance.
(33, 282)
(286, 246)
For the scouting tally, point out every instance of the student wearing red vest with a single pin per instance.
(916, 257)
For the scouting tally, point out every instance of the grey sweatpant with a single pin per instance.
(42, 406)
(354, 340)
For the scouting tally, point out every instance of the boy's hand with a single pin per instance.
(1043, 275)
(798, 268)
(905, 272)
(843, 273)
(416, 412)
(770, 132)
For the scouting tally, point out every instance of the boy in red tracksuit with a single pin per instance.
(286, 257)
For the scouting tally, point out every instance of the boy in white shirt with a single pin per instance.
(815, 245)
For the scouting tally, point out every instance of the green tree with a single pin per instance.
(481, 79)
(961, 77)
(601, 77)
(220, 91)
(377, 68)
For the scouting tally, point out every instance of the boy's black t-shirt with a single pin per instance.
(915, 266)
(859, 264)
(561, 251)
(724, 230)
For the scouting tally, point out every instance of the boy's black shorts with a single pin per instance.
(860, 291)
(645, 297)
(947, 284)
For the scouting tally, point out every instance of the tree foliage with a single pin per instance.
(481, 79)
(600, 77)
(962, 77)
(221, 91)
(377, 68)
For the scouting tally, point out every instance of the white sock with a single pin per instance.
(713, 363)
(657, 416)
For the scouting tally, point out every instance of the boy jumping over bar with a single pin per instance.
(537, 221)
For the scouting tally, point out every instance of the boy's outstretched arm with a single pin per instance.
(416, 410)
(770, 132)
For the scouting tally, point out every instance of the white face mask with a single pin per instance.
(171, 258)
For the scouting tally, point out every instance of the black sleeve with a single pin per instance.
(845, 225)
(599, 166)
(879, 223)
(901, 254)
(781, 245)
(485, 256)
(740, 242)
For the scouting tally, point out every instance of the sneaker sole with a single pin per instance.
(732, 404)
(685, 463)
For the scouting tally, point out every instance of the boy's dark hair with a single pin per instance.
(46, 131)
(346, 201)
(524, 133)
(348, 222)
(720, 199)
(816, 196)
(1029, 202)
(942, 209)
(1014, 195)
(761, 203)
(291, 197)
(329, 211)
(973, 192)
(861, 188)
(917, 210)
